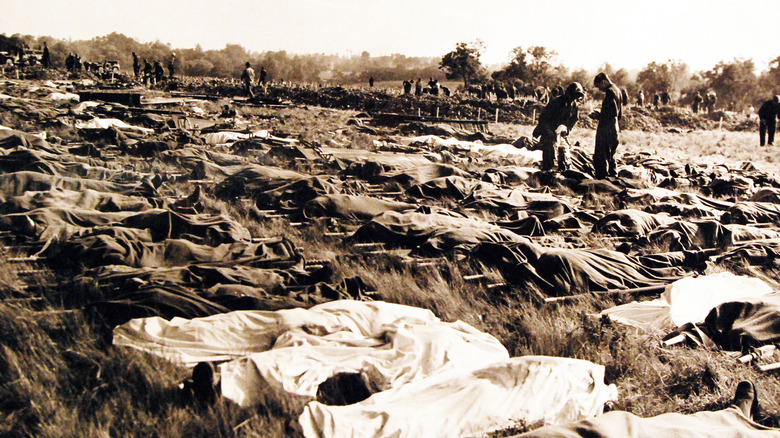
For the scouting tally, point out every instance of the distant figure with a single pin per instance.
(656, 100)
(433, 86)
(418, 88)
(407, 88)
(709, 101)
(136, 66)
(607, 132)
(248, 76)
(46, 57)
(445, 91)
(666, 99)
(640, 98)
(555, 122)
(371, 81)
(159, 72)
(147, 73)
(624, 96)
(263, 76)
(697, 100)
(69, 62)
(767, 120)
(77, 63)
(172, 66)
(228, 112)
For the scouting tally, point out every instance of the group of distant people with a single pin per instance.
(23, 59)
(433, 88)
(153, 73)
(561, 114)
(248, 78)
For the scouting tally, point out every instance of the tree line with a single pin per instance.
(736, 82)
(228, 62)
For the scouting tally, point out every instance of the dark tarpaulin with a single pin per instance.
(351, 206)
(559, 272)
(737, 325)
(435, 231)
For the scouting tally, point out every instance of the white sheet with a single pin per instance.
(99, 123)
(435, 377)
(687, 300)
(223, 137)
(452, 404)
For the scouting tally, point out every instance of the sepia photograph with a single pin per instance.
(389, 218)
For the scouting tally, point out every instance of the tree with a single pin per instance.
(670, 76)
(463, 62)
(735, 82)
(770, 80)
(654, 78)
(532, 66)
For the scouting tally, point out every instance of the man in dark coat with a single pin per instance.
(697, 101)
(407, 88)
(263, 76)
(136, 66)
(147, 72)
(556, 121)
(159, 72)
(46, 57)
(69, 62)
(607, 138)
(767, 117)
(172, 66)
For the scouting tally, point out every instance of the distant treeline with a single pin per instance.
(229, 62)
(735, 82)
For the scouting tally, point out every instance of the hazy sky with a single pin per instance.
(585, 33)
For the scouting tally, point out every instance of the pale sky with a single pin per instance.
(585, 33)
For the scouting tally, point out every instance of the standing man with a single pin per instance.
(172, 66)
(69, 62)
(159, 73)
(263, 76)
(147, 73)
(46, 57)
(607, 139)
(697, 101)
(712, 97)
(555, 122)
(371, 81)
(136, 66)
(767, 120)
(248, 76)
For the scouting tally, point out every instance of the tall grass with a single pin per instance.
(60, 375)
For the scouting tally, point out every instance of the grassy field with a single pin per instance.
(62, 378)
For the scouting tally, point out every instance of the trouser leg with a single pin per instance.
(770, 134)
(548, 152)
(612, 171)
(600, 161)
(563, 154)
(762, 131)
(606, 145)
